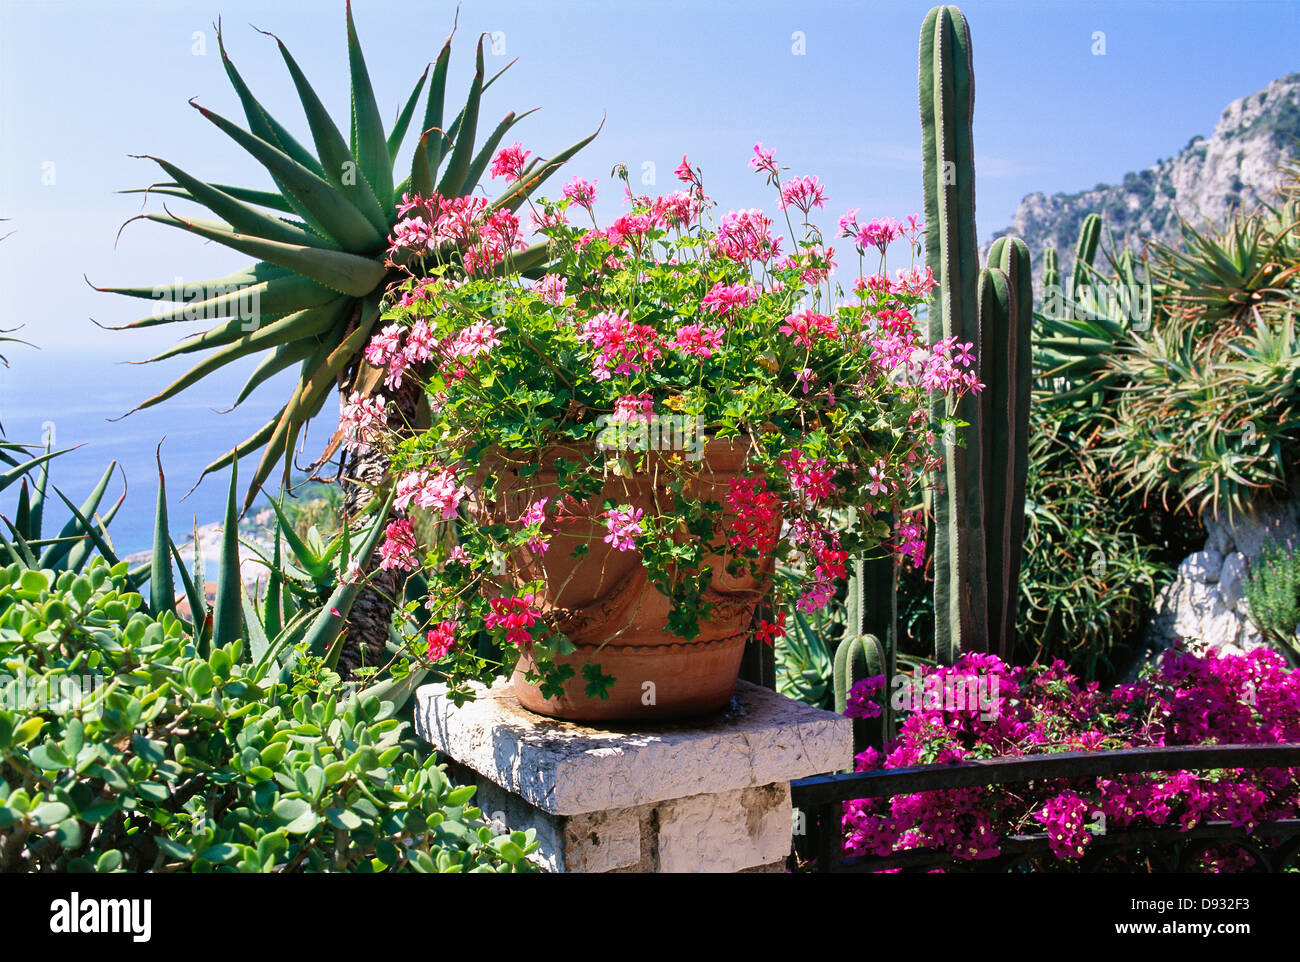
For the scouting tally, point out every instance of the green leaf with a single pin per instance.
(340, 271)
(162, 588)
(367, 124)
(227, 616)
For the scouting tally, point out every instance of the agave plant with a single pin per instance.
(320, 242)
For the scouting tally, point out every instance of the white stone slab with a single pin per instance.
(568, 769)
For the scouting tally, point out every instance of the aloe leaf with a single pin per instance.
(198, 602)
(522, 189)
(367, 123)
(462, 154)
(317, 568)
(291, 328)
(250, 344)
(90, 530)
(240, 216)
(13, 474)
(19, 549)
(227, 612)
(23, 514)
(179, 291)
(273, 613)
(162, 589)
(79, 553)
(484, 156)
(258, 643)
(335, 213)
(338, 270)
(329, 622)
(403, 122)
(340, 167)
(437, 98)
(73, 529)
(274, 297)
(259, 121)
(270, 199)
(310, 394)
(282, 358)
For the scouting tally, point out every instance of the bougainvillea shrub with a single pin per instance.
(1185, 700)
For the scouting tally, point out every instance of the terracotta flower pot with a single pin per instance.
(608, 608)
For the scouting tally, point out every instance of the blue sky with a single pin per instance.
(830, 85)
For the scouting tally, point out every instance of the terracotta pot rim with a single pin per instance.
(673, 648)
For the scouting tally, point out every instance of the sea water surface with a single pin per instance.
(71, 394)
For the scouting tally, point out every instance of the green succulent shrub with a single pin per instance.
(1208, 413)
(1089, 574)
(1272, 589)
(123, 749)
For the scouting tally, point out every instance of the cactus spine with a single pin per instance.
(979, 501)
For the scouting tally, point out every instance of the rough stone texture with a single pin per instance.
(706, 795)
(1202, 566)
(728, 832)
(1205, 605)
(568, 769)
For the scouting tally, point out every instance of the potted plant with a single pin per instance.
(619, 451)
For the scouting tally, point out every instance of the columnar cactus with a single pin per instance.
(1051, 269)
(947, 87)
(1005, 351)
(1085, 252)
(979, 501)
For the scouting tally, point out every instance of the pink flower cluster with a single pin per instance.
(437, 489)
(516, 616)
(397, 550)
(757, 516)
(624, 527)
(623, 347)
(746, 236)
(1187, 700)
(725, 299)
(808, 477)
(465, 224)
(805, 193)
(808, 327)
(440, 639)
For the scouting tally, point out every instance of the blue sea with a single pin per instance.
(74, 393)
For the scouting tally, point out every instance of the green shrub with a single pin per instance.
(1272, 588)
(1088, 577)
(121, 749)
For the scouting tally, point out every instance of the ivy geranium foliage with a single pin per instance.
(636, 344)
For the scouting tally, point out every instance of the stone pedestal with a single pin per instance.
(709, 794)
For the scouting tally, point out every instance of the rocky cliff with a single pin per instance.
(1236, 165)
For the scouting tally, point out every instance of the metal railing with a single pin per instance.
(1274, 846)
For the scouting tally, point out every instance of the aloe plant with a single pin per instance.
(320, 239)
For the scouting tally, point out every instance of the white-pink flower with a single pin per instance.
(363, 420)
